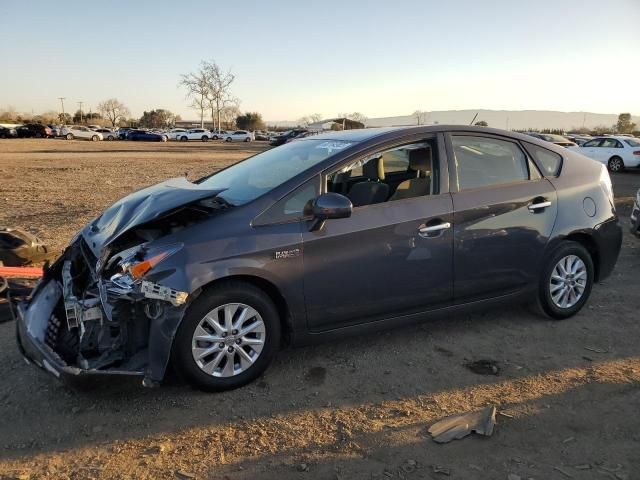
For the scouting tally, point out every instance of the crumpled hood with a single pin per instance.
(141, 207)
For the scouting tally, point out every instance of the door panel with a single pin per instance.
(499, 241)
(376, 265)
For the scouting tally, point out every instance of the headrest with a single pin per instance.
(374, 169)
(420, 159)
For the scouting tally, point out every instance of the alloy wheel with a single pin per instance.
(568, 281)
(615, 164)
(228, 340)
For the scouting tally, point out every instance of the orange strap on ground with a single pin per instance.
(21, 272)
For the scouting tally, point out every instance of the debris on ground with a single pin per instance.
(563, 472)
(441, 469)
(462, 424)
(484, 367)
(19, 248)
(181, 474)
(596, 350)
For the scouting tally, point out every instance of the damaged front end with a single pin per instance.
(112, 303)
(93, 318)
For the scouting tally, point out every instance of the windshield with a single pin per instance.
(247, 180)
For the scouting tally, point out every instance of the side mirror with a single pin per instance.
(328, 206)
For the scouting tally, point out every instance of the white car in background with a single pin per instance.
(217, 135)
(238, 136)
(616, 152)
(71, 132)
(107, 134)
(195, 134)
(174, 132)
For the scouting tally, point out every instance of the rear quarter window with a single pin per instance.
(549, 161)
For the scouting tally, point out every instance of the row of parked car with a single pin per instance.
(97, 133)
(617, 152)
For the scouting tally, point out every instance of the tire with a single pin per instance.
(110, 138)
(204, 138)
(94, 138)
(223, 375)
(247, 139)
(615, 164)
(69, 136)
(183, 139)
(578, 280)
(215, 137)
(228, 139)
(165, 138)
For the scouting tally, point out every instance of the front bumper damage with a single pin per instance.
(80, 323)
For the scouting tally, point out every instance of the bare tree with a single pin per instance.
(228, 116)
(420, 116)
(113, 110)
(218, 93)
(307, 119)
(198, 88)
(358, 117)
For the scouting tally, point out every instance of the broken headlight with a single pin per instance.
(136, 263)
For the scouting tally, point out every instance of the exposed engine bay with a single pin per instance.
(109, 308)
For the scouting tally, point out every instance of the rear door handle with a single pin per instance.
(534, 207)
(426, 231)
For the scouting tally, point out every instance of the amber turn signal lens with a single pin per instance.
(140, 269)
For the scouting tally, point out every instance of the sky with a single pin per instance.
(293, 58)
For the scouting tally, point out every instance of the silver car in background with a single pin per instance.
(71, 132)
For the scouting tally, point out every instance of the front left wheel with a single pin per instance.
(566, 281)
(228, 337)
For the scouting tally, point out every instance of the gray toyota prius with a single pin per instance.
(334, 234)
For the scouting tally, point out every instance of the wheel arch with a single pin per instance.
(270, 289)
(591, 246)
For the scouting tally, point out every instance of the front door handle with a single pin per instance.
(534, 207)
(427, 231)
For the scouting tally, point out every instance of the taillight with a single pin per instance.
(637, 152)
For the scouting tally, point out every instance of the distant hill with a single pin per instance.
(507, 119)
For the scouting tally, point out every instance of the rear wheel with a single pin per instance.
(183, 139)
(110, 138)
(94, 138)
(615, 164)
(69, 136)
(247, 139)
(205, 138)
(566, 281)
(227, 338)
(228, 139)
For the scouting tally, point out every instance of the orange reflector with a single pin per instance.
(140, 269)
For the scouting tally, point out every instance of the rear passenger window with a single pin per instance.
(483, 161)
(548, 160)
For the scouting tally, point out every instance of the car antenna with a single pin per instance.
(474, 118)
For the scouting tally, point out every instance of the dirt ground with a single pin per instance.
(567, 393)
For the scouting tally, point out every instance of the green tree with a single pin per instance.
(625, 125)
(481, 123)
(250, 121)
(159, 118)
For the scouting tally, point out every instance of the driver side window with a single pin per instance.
(397, 173)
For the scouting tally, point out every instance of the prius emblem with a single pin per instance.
(282, 254)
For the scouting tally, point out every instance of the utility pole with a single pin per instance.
(80, 103)
(62, 99)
